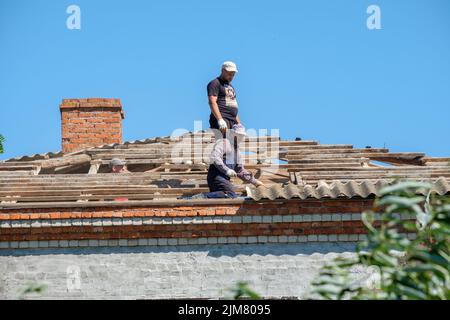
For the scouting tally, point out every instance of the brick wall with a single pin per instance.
(275, 221)
(90, 122)
(175, 251)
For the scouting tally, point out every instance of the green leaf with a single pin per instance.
(434, 258)
(2, 139)
(409, 292)
(437, 269)
(403, 186)
(242, 290)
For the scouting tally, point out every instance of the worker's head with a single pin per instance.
(229, 70)
(237, 133)
(117, 165)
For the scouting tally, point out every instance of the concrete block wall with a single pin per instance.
(161, 272)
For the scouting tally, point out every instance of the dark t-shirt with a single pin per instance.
(226, 98)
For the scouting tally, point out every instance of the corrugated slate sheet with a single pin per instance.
(335, 189)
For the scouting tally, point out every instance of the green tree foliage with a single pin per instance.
(32, 289)
(2, 139)
(242, 291)
(403, 268)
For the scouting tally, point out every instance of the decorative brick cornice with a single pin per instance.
(92, 103)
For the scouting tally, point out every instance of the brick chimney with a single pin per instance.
(90, 122)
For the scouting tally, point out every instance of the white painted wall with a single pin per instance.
(273, 270)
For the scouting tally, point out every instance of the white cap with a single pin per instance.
(229, 66)
(116, 162)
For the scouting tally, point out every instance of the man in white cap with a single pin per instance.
(222, 99)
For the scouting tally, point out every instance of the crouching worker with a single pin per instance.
(118, 166)
(226, 163)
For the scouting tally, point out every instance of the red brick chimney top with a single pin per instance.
(92, 103)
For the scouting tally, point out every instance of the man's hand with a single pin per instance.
(125, 169)
(222, 125)
(259, 183)
(231, 173)
(212, 100)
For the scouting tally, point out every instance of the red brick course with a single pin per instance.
(284, 207)
(262, 208)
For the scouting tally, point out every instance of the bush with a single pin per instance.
(404, 268)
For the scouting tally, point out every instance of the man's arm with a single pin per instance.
(212, 100)
(242, 173)
(238, 120)
(246, 176)
(216, 157)
(213, 89)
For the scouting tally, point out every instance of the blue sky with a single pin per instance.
(310, 68)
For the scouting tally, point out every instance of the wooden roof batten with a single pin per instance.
(81, 176)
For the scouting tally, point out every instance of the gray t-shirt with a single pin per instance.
(224, 156)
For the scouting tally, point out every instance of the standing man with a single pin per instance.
(222, 99)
